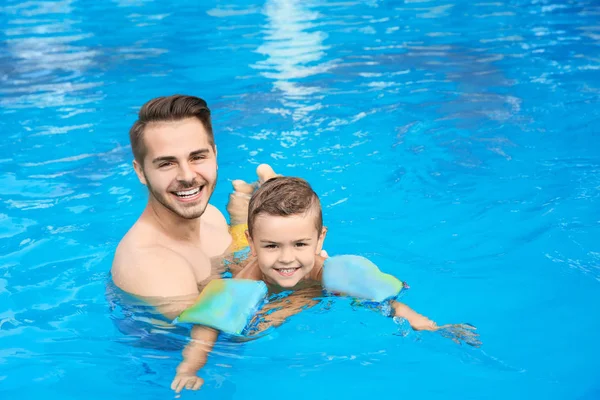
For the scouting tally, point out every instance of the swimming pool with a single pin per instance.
(455, 143)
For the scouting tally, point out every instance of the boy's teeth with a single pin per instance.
(287, 271)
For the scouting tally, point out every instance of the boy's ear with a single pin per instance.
(249, 239)
(139, 171)
(321, 239)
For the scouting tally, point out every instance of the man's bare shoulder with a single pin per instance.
(152, 270)
(214, 217)
(217, 238)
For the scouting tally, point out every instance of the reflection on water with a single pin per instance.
(43, 48)
(462, 84)
(294, 49)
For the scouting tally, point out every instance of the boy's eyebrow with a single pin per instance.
(297, 240)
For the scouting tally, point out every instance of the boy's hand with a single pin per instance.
(195, 355)
(461, 333)
(458, 333)
(186, 381)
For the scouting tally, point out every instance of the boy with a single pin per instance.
(285, 234)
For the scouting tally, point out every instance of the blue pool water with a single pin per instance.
(455, 143)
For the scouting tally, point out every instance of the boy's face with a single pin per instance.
(285, 247)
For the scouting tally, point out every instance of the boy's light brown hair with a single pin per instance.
(283, 196)
(164, 109)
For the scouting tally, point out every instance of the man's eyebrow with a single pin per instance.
(163, 158)
(171, 158)
(199, 152)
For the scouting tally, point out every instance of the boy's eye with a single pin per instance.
(270, 246)
(301, 244)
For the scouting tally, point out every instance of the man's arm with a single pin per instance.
(158, 276)
(165, 280)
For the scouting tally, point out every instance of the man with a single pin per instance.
(168, 251)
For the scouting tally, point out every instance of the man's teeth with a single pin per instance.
(188, 193)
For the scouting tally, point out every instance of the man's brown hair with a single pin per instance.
(284, 196)
(164, 109)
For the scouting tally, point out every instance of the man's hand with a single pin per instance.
(237, 207)
(239, 198)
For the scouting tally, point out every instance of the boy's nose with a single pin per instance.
(286, 256)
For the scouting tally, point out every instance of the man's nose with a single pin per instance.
(185, 173)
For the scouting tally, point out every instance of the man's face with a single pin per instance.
(180, 166)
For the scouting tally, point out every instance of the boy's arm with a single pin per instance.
(417, 321)
(249, 271)
(196, 352)
(195, 355)
(457, 332)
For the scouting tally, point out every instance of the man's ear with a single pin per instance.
(321, 239)
(139, 171)
(250, 243)
(216, 157)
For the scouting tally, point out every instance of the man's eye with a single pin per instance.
(165, 164)
(196, 158)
